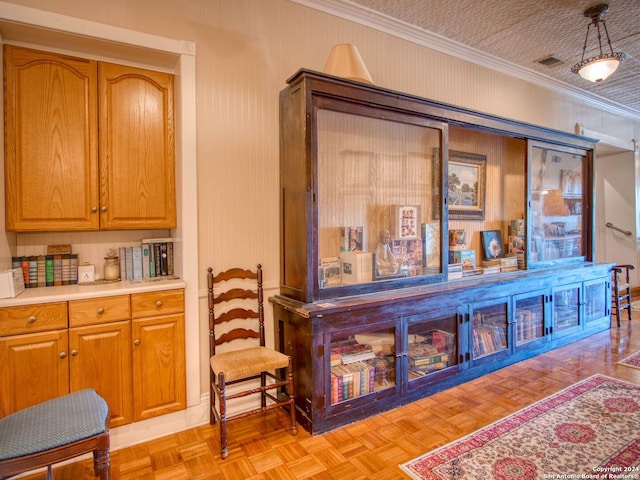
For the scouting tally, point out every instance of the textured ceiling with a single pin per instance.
(524, 32)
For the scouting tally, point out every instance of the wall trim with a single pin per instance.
(378, 21)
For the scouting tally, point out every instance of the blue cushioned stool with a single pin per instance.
(54, 431)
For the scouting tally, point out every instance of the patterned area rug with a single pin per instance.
(631, 361)
(589, 430)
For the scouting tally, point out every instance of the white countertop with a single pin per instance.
(64, 293)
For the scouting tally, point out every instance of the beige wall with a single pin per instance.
(246, 49)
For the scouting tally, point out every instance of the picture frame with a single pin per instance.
(466, 180)
(492, 246)
(571, 184)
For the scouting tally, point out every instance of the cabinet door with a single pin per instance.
(100, 358)
(566, 310)
(33, 368)
(530, 312)
(432, 346)
(51, 149)
(363, 364)
(489, 330)
(597, 302)
(159, 385)
(137, 158)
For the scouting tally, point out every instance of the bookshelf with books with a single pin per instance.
(363, 172)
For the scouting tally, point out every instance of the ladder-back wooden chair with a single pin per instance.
(621, 291)
(253, 364)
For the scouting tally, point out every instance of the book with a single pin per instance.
(42, 275)
(136, 261)
(405, 221)
(57, 269)
(128, 255)
(329, 271)
(467, 258)
(73, 268)
(48, 265)
(357, 267)
(352, 239)
(146, 260)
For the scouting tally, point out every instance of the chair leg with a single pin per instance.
(102, 464)
(263, 392)
(49, 473)
(212, 397)
(224, 441)
(292, 400)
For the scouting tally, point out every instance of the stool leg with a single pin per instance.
(49, 473)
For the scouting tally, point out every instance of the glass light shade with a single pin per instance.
(600, 69)
(345, 61)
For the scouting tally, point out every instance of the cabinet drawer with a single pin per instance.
(157, 303)
(99, 310)
(33, 318)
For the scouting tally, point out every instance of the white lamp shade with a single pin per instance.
(599, 70)
(345, 61)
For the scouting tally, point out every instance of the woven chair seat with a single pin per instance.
(52, 424)
(247, 362)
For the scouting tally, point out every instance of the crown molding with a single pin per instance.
(370, 18)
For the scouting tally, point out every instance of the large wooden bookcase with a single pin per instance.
(372, 181)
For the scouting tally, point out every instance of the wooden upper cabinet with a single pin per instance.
(51, 146)
(137, 156)
(89, 145)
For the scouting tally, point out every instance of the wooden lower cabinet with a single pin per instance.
(129, 348)
(159, 382)
(100, 358)
(361, 355)
(33, 368)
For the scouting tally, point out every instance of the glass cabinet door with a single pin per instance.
(529, 318)
(489, 329)
(566, 309)
(362, 364)
(378, 206)
(596, 301)
(559, 194)
(432, 343)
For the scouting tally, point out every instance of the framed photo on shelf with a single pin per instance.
(466, 190)
(492, 246)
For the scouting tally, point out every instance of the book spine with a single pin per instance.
(48, 272)
(146, 261)
(170, 259)
(128, 254)
(73, 268)
(42, 274)
(33, 271)
(136, 253)
(24, 265)
(158, 254)
(57, 270)
(66, 269)
(152, 261)
(15, 262)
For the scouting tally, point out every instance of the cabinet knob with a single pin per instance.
(62, 354)
(31, 319)
(74, 352)
(104, 208)
(100, 311)
(159, 303)
(94, 209)
(136, 341)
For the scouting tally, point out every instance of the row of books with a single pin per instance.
(488, 339)
(47, 270)
(529, 324)
(352, 380)
(152, 259)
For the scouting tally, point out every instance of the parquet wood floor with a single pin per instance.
(262, 448)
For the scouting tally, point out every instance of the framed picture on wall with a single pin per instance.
(466, 189)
